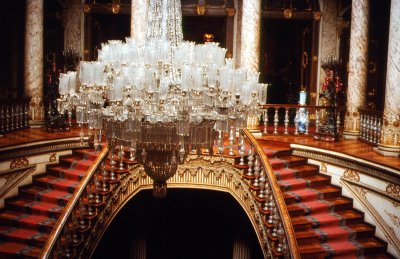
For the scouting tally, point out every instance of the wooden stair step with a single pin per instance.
(12, 249)
(65, 172)
(294, 161)
(372, 245)
(329, 191)
(23, 235)
(306, 170)
(339, 202)
(69, 161)
(362, 230)
(16, 219)
(50, 181)
(300, 223)
(351, 216)
(45, 194)
(311, 251)
(317, 180)
(307, 237)
(29, 206)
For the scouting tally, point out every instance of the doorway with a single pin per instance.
(285, 58)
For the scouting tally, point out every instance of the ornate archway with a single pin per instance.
(198, 172)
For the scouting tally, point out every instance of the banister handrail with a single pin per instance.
(308, 106)
(56, 232)
(285, 217)
(370, 111)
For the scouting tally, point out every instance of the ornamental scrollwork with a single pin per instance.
(351, 175)
(394, 218)
(361, 191)
(323, 168)
(393, 190)
(52, 157)
(19, 162)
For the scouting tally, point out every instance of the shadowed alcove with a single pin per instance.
(189, 223)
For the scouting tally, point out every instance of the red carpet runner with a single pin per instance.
(325, 223)
(28, 219)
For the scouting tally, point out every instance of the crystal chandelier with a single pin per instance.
(163, 99)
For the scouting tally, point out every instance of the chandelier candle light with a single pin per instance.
(163, 99)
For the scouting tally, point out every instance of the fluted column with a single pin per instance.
(390, 134)
(358, 60)
(139, 20)
(34, 59)
(250, 34)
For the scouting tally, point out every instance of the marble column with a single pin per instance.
(358, 61)
(390, 134)
(139, 20)
(73, 25)
(250, 34)
(33, 73)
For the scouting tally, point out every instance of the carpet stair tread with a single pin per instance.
(30, 206)
(49, 195)
(65, 172)
(53, 182)
(16, 219)
(23, 235)
(14, 249)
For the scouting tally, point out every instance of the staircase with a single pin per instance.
(325, 222)
(28, 219)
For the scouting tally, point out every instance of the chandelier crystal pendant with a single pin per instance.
(163, 99)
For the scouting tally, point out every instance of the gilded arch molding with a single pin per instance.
(198, 172)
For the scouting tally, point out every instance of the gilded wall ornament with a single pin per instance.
(394, 218)
(323, 168)
(393, 190)
(52, 157)
(361, 191)
(351, 175)
(19, 162)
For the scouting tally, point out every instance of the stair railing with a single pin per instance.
(295, 119)
(70, 229)
(14, 115)
(370, 126)
(270, 200)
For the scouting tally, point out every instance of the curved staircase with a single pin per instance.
(325, 222)
(28, 219)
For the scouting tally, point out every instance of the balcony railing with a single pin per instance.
(295, 119)
(14, 115)
(370, 125)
